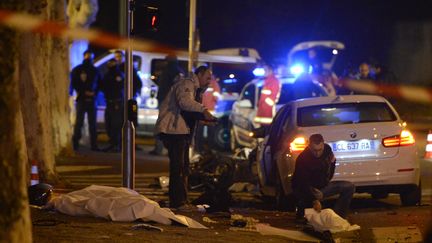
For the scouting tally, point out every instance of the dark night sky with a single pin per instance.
(274, 26)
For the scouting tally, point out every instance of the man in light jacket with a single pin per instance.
(178, 114)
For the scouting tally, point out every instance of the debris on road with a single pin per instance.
(397, 234)
(164, 182)
(209, 220)
(238, 220)
(147, 227)
(242, 187)
(265, 229)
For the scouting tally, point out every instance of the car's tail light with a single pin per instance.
(298, 144)
(404, 139)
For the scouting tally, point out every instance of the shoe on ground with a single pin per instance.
(187, 208)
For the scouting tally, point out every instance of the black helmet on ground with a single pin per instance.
(40, 194)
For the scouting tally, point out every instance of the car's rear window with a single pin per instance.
(347, 113)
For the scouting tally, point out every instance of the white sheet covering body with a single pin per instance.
(327, 219)
(117, 204)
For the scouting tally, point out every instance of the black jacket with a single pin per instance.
(313, 173)
(113, 84)
(137, 82)
(85, 77)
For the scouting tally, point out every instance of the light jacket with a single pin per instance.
(268, 99)
(180, 97)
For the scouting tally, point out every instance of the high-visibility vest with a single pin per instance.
(211, 95)
(268, 98)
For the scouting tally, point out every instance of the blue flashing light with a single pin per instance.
(229, 81)
(297, 69)
(259, 72)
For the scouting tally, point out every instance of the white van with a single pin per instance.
(225, 63)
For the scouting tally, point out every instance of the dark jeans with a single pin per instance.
(178, 153)
(114, 121)
(83, 107)
(345, 189)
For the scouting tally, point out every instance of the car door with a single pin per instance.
(244, 110)
(271, 159)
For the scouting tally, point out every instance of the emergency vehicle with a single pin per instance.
(232, 66)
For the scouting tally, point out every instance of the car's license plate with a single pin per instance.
(353, 146)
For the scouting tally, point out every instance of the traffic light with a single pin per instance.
(145, 18)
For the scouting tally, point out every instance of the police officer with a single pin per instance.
(112, 86)
(85, 79)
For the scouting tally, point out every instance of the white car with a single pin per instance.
(245, 108)
(373, 147)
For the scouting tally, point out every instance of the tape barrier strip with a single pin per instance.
(30, 23)
(411, 93)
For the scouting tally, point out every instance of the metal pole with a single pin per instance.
(128, 131)
(192, 16)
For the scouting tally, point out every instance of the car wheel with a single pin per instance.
(221, 137)
(411, 195)
(284, 202)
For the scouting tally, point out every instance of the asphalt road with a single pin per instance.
(377, 218)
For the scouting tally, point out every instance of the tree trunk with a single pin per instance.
(44, 91)
(15, 224)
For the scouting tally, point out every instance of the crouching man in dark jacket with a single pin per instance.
(311, 183)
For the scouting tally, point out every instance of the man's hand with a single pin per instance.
(317, 205)
(208, 116)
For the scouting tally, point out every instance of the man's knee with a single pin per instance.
(348, 187)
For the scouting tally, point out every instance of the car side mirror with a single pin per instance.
(245, 104)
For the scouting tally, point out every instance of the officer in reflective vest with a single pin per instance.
(269, 96)
(212, 95)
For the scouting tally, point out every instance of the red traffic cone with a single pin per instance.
(34, 174)
(428, 154)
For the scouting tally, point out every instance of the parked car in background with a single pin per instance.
(373, 147)
(245, 107)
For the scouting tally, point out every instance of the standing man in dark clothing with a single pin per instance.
(112, 86)
(137, 82)
(171, 73)
(311, 183)
(179, 113)
(85, 80)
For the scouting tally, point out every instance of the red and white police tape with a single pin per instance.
(412, 93)
(29, 23)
